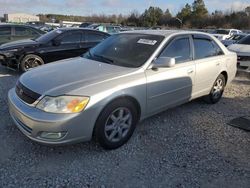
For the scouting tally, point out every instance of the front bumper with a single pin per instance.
(32, 122)
(8, 59)
(244, 63)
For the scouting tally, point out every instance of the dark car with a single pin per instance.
(233, 39)
(85, 24)
(55, 45)
(40, 25)
(13, 32)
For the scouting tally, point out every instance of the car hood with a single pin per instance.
(240, 48)
(65, 76)
(17, 44)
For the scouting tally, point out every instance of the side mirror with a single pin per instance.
(164, 62)
(56, 42)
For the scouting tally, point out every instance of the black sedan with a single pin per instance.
(55, 45)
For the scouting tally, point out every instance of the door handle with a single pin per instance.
(218, 64)
(190, 71)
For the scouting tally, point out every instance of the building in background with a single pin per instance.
(20, 18)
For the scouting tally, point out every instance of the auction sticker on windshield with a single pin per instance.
(147, 41)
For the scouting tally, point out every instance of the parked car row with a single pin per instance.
(122, 80)
(223, 34)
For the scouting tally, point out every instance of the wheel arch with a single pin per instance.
(126, 97)
(224, 73)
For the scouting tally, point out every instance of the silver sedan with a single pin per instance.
(123, 80)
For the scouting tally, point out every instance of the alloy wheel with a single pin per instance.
(118, 124)
(218, 88)
(32, 63)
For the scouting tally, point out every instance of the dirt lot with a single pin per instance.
(188, 146)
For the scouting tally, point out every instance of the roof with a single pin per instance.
(164, 33)
(79, 28)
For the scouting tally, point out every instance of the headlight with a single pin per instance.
(63, 104)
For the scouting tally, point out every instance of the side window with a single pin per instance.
(94, 37)
(5, 31)
(178, 49)
(206, 48)
(22, 31)
(73, 37)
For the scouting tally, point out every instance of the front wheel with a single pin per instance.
(217, 90)
(30, 61)
(116, 124)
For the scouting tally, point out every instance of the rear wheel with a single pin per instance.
(116, 124)
(216, 91)
(30, 61)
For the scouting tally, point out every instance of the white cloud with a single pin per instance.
(227, 5)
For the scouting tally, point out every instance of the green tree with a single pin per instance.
(247, 10)
(199, 9)
(165, 18)
(151, 16)
(134, 18)
(185, 13)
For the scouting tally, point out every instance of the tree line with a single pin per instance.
(193, 15)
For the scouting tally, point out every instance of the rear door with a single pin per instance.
(5, 34)
(208, 59)
(167, 87)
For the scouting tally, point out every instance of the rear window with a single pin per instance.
(206, 48)
(5, 31)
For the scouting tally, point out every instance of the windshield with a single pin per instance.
(48, 36)
(221, 31)
(126, 49)
(245, 40)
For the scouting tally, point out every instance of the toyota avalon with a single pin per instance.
(123, 80)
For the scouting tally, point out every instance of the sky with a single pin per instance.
(89, 7)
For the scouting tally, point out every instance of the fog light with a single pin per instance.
(52, 136)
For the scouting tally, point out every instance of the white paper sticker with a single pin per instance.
(147, 41)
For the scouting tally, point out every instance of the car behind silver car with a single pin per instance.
(126, 78)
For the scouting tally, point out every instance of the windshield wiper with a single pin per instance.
(103, 58)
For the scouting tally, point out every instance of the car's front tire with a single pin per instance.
(30, 61)
(217, 90)
(116, 124)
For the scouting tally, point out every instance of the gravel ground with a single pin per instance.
(188, 146)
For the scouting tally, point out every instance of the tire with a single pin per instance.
(217, 90)
(30, 61)
(112, 131)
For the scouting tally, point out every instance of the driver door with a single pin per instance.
(68, 46)
(170, 86)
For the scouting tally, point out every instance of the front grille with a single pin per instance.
(243, 58)
(26, 94)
